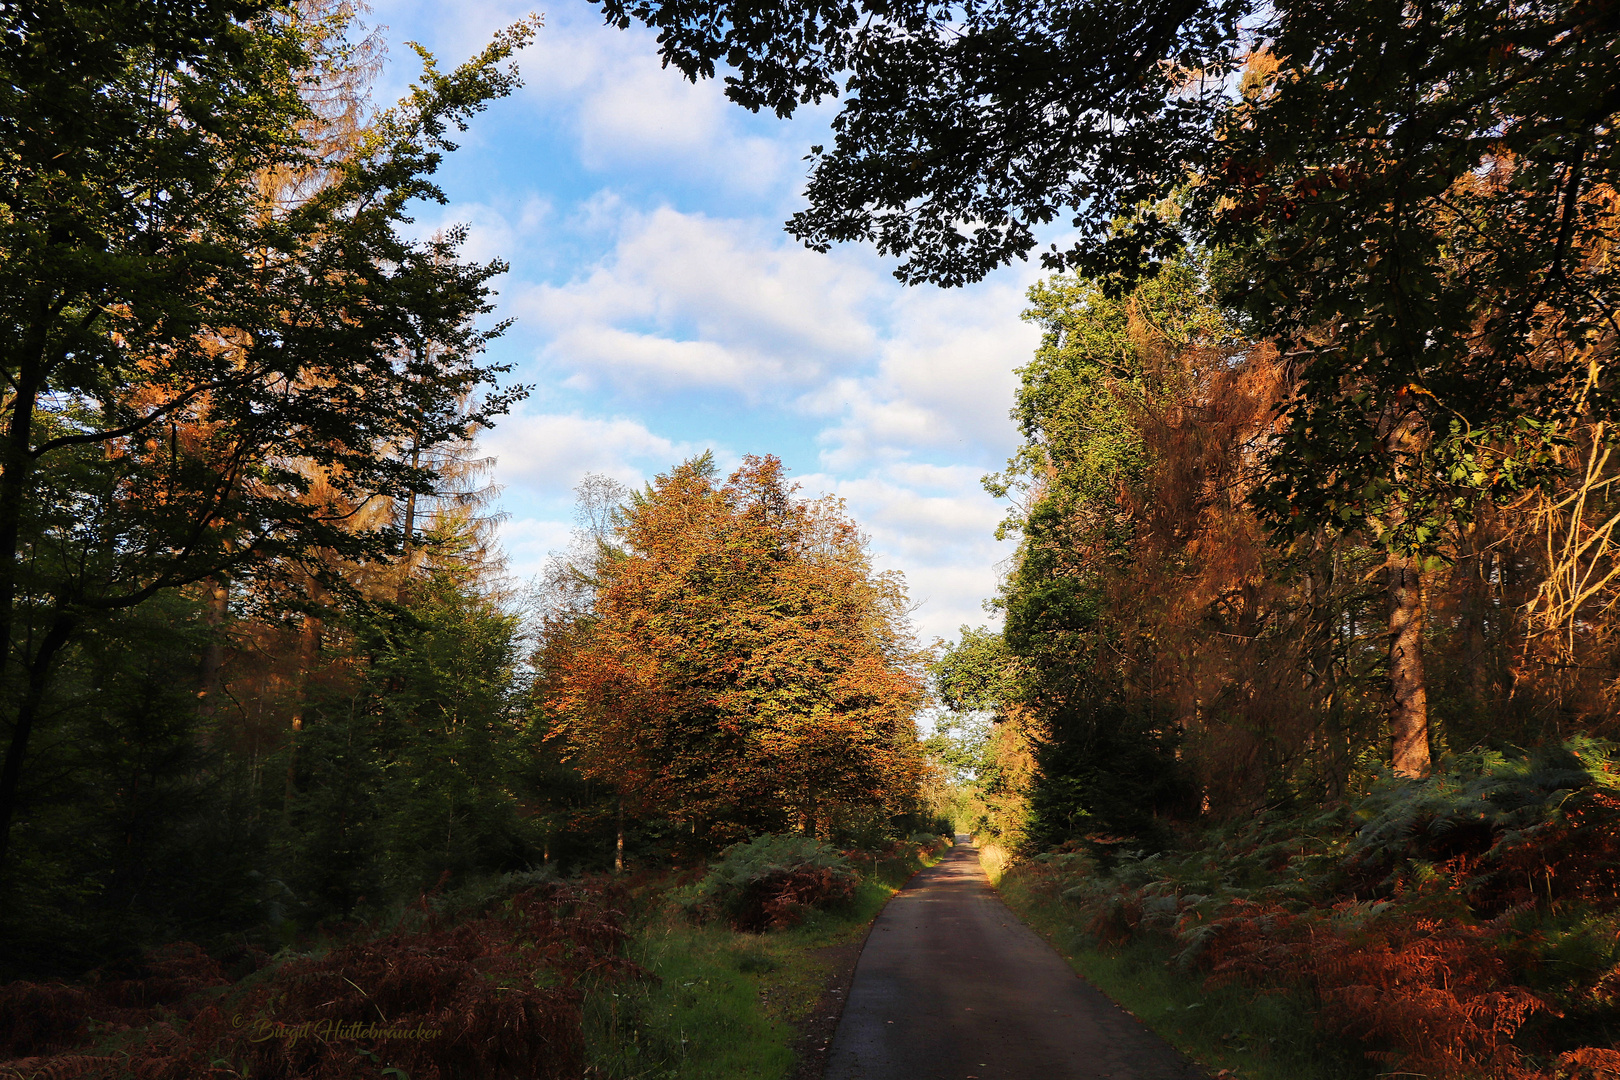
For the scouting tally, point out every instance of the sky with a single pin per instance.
(660, 310)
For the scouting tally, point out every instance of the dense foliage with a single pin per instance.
(487, 985)
(1309, 642)
(217, 333)
(771, 881)
(1172, 659)
(738, 666)
(1416, 200)
(1462, 927)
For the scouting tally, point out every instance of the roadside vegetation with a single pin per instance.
(1467, 926)
(1313, 764)
(1302, 703)
(729, 1003)
(297, 780)
(521, 975)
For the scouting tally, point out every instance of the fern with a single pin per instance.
(1467, 925)
(498, 987)
(771, 881)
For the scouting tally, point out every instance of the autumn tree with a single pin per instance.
(743, 668)
(1414, 202)
(188, 345)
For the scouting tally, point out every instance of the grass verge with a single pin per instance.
(727, 1005)
(1250, 1035)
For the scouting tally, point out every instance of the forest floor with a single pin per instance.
(951, 985)
(731, 1005)
(516, 975)
(1232, 1031)
(1464, 926)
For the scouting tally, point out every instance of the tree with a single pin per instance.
(1418, 200)
(964, 129)
(1415, 203)
(410, 765)
(985, 735)
(190, 347)
(742, 668)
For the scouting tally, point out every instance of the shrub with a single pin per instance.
(770, 882)
(492, 993)
(1463, 925)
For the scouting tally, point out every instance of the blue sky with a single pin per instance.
(661, 310)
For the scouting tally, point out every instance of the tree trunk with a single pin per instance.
(1409, 702)
(618, 846)
(16, 473)
(309, 647)
(808, 822)
(39, 670)
(405, 551)
(217, 599)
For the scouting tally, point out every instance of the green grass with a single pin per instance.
(1255, 1036)
(725, 1003)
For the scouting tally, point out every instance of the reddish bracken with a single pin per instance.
(784, 898)
(1434, 997)
(494, 996)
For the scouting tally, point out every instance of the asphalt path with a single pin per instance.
(951, 985)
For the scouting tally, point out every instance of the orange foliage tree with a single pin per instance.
(740, 667)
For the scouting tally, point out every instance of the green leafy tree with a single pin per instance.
(982, 736)
(1105, 759)
(189, 346)
(412, 760)
(973, 680)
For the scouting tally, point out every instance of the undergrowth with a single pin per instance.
(488, 986)
(725, 1002)
(1465, 926)
(522, 976)
(1255, 1036)
(772, 882)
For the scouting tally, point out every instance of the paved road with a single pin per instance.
(952, 986)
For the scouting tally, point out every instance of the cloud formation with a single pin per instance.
(661, 310)
(543, 455)
(683, 300)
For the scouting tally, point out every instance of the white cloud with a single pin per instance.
(945, 380)
(684, 300)
(650, 360)
(544, 455)
(609, 90)
(642, 285)
(492, 232)
(529, 542)
(950, 597)
(937, 525)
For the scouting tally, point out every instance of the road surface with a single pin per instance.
(952, 986)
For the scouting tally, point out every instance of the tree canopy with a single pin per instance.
(217, 334)
(741, 665)
(1414, 201)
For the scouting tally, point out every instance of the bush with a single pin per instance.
(493, 993)
(770, 882)
(1463, 925)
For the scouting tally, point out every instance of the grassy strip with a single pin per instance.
(1232, 1030)
(725, 1004)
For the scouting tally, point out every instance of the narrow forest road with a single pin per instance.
(951, 985)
